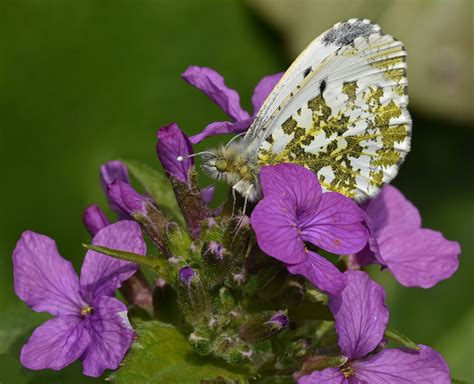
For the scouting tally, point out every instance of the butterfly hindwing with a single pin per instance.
(345, 115)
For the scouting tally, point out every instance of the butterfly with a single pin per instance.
(340, 110)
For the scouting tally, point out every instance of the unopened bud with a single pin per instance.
(299, 348)
(186, 275)
(214, 251)
(94, 219)
(111, 171)
(318, 363)
(226, 299)
(141, 209)
(194, 296)
(263, 326)
(200, 342)
(240, 354)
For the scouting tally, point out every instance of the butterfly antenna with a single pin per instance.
(234, 138)
(182, 158)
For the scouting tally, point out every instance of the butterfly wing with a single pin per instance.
(340, 110)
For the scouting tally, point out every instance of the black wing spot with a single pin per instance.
(306, 72)
(345, 33)
(322, 87)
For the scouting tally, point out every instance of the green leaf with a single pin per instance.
(158, 186)
(161, 354)
(394, 335)
(459, 381)
(15, 322)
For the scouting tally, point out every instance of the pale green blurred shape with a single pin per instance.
(83, 82)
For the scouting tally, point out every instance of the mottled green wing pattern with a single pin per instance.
(347, 120)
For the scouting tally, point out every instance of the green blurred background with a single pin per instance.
(83, 82)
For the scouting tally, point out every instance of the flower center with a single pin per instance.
(87, 311)
(347, 371)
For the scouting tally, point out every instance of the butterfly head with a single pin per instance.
(234, 165)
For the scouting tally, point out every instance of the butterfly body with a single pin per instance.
(340, 110)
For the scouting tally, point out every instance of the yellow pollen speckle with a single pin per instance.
(87, 311)
(337, 242)
(347, 371)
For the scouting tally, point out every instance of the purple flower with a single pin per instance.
(173, 149)
(89, 322)
(212, 84)
(109, 172)
(361, 318)
(173, 144)
(416, 256)
(126, 198)
(94, 219)
(294, 212)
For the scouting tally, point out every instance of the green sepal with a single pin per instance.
(158, 265)
(161, 354)
(193, 208)
(320, 362)
(396, 336)
(158, 186)
(154, 222)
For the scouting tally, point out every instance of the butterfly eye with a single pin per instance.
(221, 165)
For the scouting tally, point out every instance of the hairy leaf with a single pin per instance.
(163, 355)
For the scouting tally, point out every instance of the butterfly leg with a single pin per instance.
(234, 197)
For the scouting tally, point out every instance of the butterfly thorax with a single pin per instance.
(236, 165)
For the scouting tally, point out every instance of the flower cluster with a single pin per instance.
(260, 288)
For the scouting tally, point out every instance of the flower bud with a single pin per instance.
(112, 171)
(214, 251)
(226, 299)
(299, 348)
(194, 296)
(186, 275)
(141, 209)
(94, 219)
(263, 326)
(126, 198)
(319, 362)
(240, 354)
(200, 342)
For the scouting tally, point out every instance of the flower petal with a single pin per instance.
(43, 279)
(207, 194)
(263, 89)
(101, 274)
(173, 143)
(322, 273)
(291, 181)
(336, 226)
(111, 336)
(326, 376)
(212, 84)
(274, 224)
(360, 314)
(113, 170)
(55, 344)
(94, 219)
(222, 128)
(391, 208)
(401, 366)
(419, 258)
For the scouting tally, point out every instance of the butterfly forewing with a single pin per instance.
(340, 110)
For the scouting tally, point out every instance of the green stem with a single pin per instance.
(157, 264)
